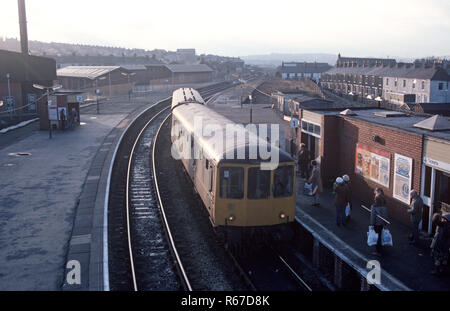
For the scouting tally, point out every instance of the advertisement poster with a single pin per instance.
(52, 111)
(402, 177)
(373, 164)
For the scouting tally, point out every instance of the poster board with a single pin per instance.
(373, 164)
(402, 177)
(52, 111)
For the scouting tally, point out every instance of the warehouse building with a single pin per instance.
(110, 80)
(296, 71)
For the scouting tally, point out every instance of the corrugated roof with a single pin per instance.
(88, 72)
(189, 68)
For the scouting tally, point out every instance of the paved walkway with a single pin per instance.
(40, 192)
(407, 265)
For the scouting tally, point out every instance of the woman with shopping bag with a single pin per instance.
(378, 215)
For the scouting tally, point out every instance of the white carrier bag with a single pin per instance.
(372, 237)
(348, 210)
(386, 238)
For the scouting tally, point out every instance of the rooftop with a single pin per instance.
(89, 72)
(189, 68)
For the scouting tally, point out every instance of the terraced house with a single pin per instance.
(387, 80)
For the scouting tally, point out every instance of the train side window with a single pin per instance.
(231, 182)
(258, 183)
(283, 181)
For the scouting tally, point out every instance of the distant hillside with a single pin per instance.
(275, 59)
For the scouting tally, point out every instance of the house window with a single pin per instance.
(404, 83)
(441, 86)
(387, 81)
(423, 85)
(395, 82)
(414, 84)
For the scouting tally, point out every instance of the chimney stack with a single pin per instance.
(23, 27)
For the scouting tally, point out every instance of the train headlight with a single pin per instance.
(282, 215)
(231, 218)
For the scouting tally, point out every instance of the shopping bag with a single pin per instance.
(372, 237)
(386, 238)
(348, 211)
(307, 189)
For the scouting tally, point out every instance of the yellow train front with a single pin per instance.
(244, 201)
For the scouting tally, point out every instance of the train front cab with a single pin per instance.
(254, 202)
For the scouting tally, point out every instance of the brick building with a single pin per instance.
(380, 148)
(23, 71)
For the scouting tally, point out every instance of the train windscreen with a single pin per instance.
(258, 183)
(283, 181)
(231, 182)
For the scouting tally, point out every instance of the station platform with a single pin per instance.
(403, 266)
(51, 198)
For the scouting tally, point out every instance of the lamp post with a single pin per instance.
(251, 108)
(9, 100)
(49, 90)
(128, 75)
(379, 100)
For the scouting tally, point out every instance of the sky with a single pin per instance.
(378, 28)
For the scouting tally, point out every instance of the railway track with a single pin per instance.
(159, 234)
(142, 255)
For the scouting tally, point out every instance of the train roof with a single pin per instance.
(186, 95)
(189, 112)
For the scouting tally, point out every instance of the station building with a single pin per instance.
(23, 71)
(393, 150)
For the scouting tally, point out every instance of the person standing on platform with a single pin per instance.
(440, 246)
(415, 210)
(377, 211)
(346, 179)
(316, 181)
(341, 199)
(62, 117)
(303, 159)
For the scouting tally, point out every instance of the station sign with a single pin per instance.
(9, 103)
(32, 101)
(52, 111)
(293, 123)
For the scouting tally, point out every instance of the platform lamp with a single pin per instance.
(251, 108)
(49, 90)
(379, 100)
(128, 75)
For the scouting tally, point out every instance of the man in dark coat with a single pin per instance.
(341, 198)
(415, 210)
(303, 159)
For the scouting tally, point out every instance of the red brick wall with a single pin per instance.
(329, 149)
(352, 131)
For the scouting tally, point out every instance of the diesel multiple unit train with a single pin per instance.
(243, 200)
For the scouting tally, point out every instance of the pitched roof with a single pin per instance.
(400, 70)
(89, 72)
(189, 68)
(435, 123)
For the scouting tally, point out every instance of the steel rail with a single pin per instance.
(127, 195)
